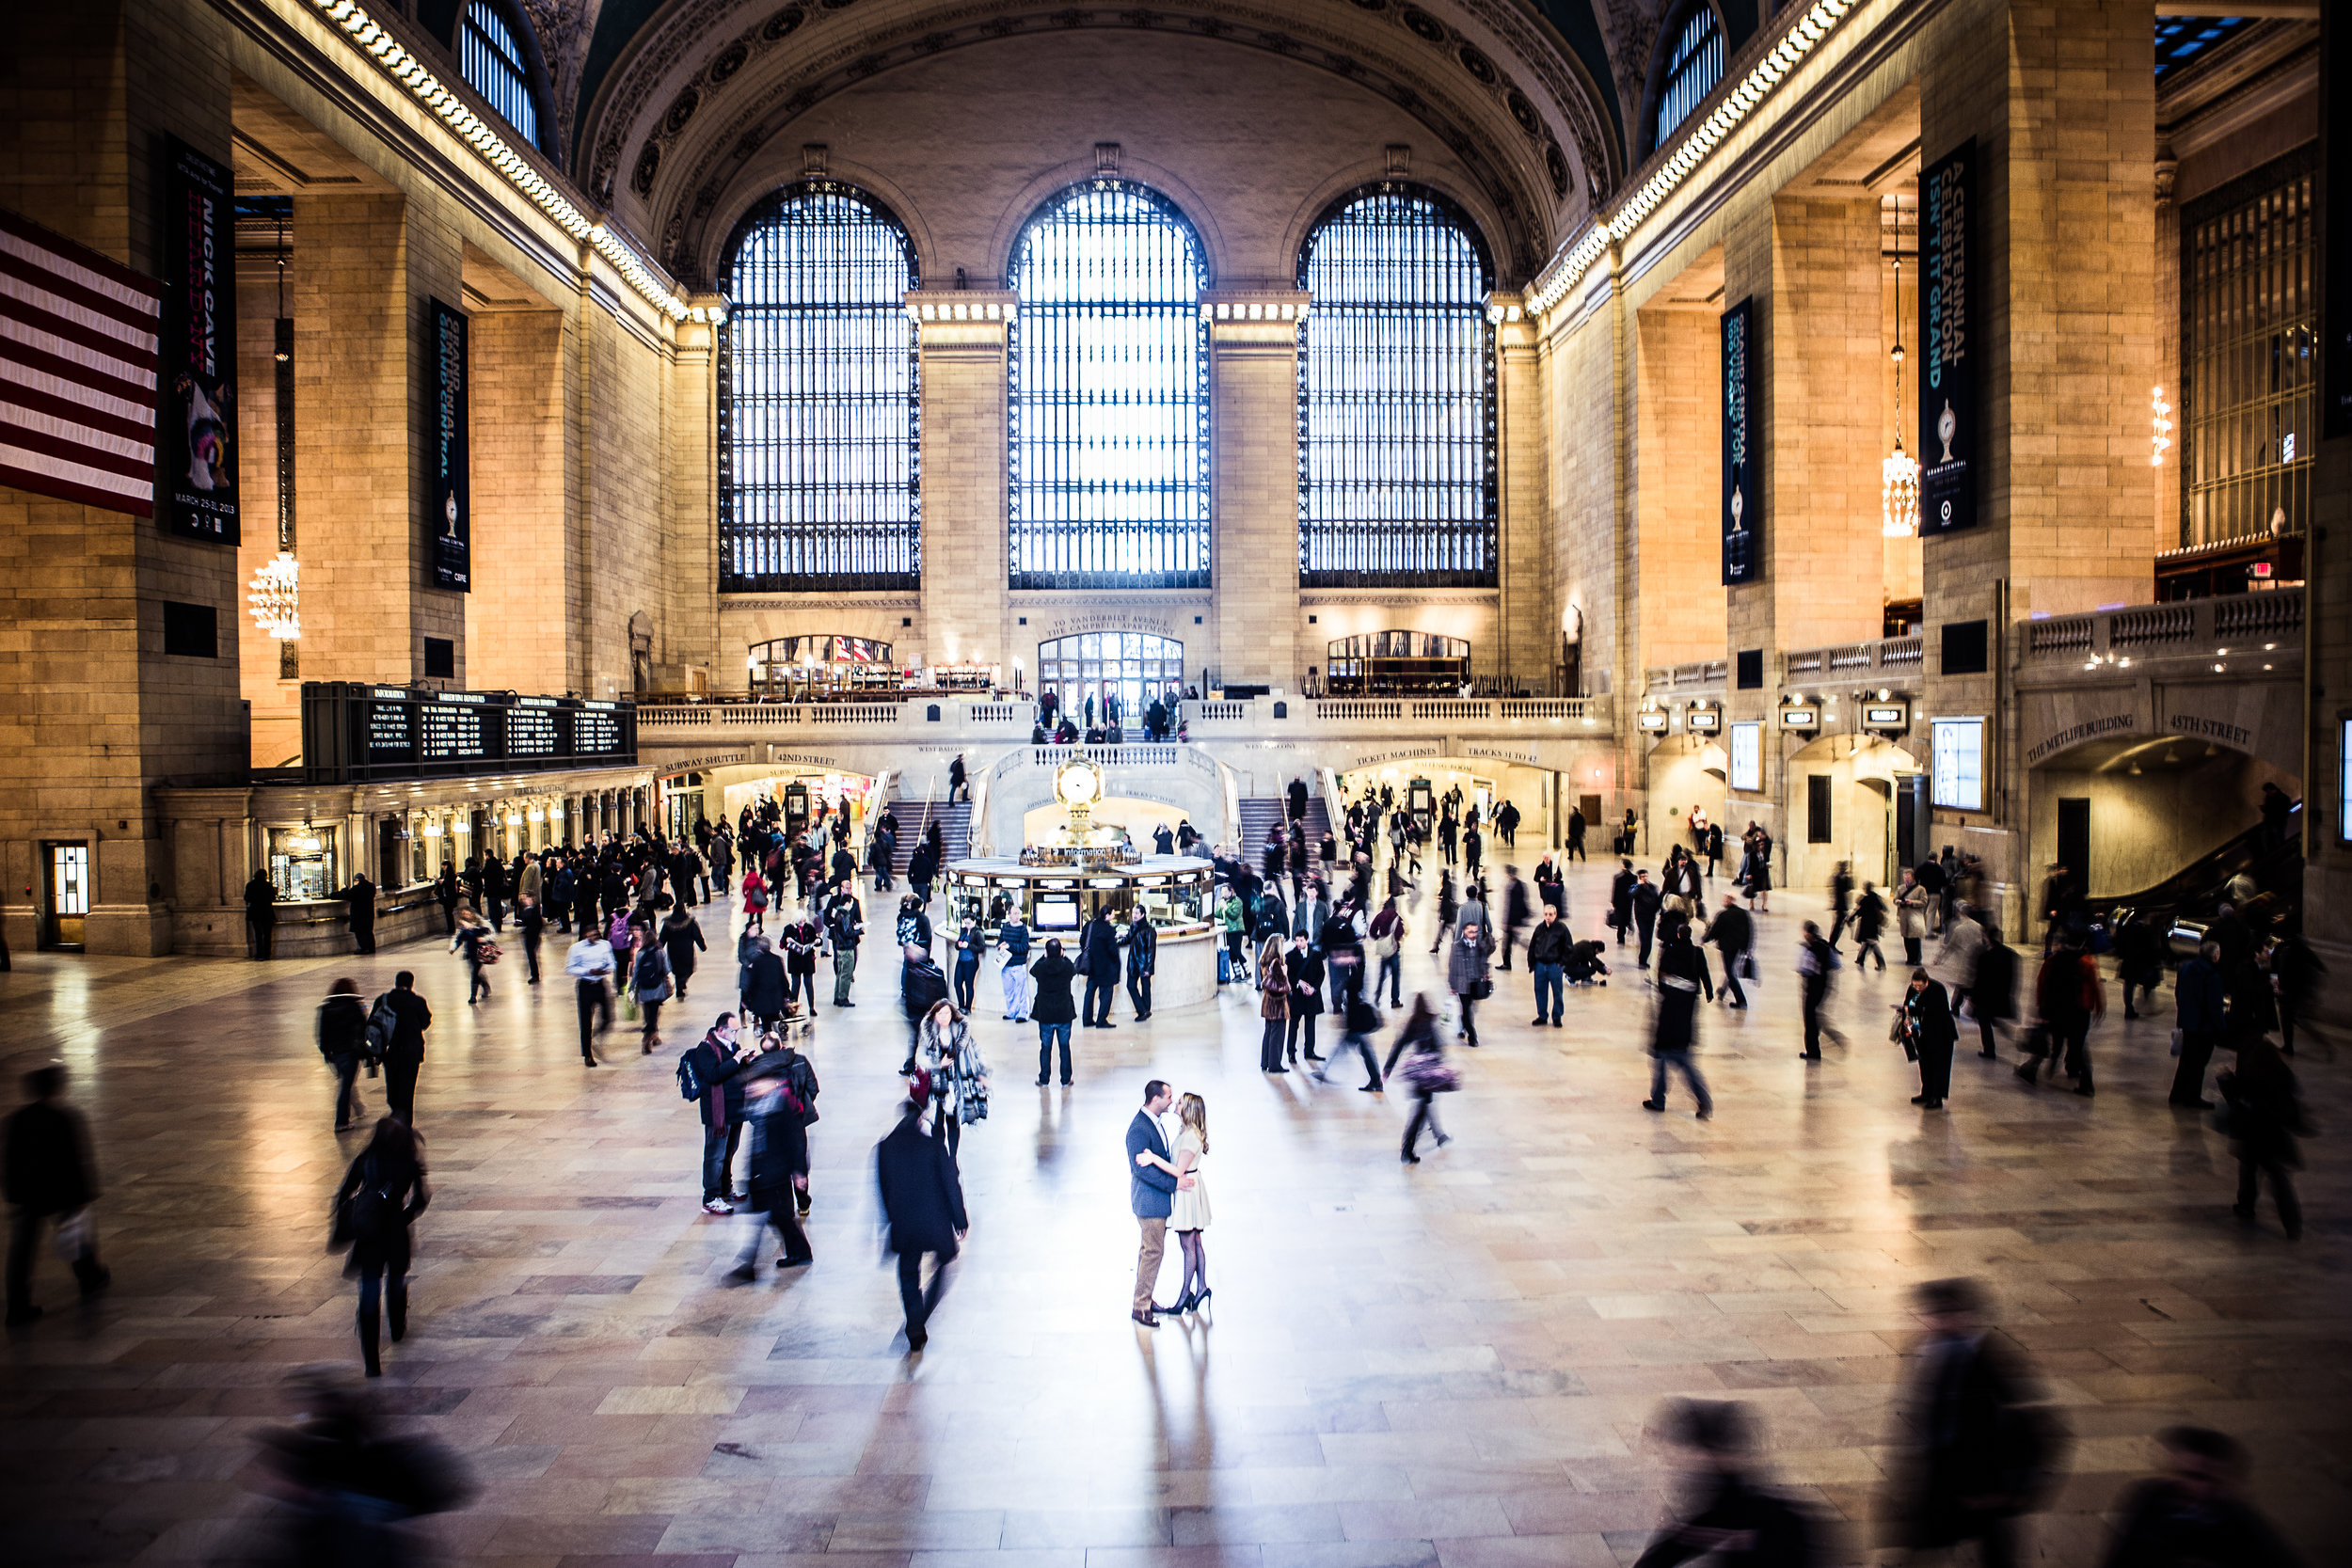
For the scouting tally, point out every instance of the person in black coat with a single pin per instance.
(1305, 968)
(1644, 900)
(1098, 958)
(1983, 1449)
(1053, 1008)
(404, 1057)
(1621, 901)
(382, 1194)
(1681, 975)
(778, 1120)
(2192, 1515)
(1929, 1030)
(261, 916)
(1143, 962)
(766, 988)
(681, 934)
(922, 1204)
(2265, 1118)
(50, 1175)
(343, 1042)
(1730, 1515)
(360, 901)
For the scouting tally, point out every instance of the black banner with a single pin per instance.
(1743, 499)
(452, 506)
(1948, 373)
(196, 458)
(2335, 296)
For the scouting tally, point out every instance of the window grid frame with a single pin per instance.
(1694, 68)
(490, 58)
(1067, 548)
(880, 549)
(2249, 284)
(1458, 552)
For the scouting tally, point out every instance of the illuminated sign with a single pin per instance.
(1799, 718)
(1652, 720)
(1707, 720)
(1887, 715)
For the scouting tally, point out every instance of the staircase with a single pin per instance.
(915, 820)
(1262, 815)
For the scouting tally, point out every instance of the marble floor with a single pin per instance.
(1449, 1363)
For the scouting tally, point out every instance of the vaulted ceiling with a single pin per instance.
(663, 107)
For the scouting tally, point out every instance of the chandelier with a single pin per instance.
(275, 597)
(1899, 475)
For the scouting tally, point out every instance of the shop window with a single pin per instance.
(302, 865)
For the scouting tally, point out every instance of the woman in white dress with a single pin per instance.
(1189, 1214)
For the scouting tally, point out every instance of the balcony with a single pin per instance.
(2264, 628)
(1889, 660)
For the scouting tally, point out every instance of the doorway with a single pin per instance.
(2074, 839)
(65, 896)
(1912, 827)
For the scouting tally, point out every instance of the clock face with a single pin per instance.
(1079, 784)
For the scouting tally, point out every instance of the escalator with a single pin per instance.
(2197, 889)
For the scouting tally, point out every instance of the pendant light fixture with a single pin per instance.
(1899, 475)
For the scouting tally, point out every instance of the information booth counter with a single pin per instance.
(1056, 897)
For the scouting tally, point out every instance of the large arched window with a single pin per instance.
(819, 485)
(1694, 63)
(1122, 672)
(1109, 394)
(1396, 396)
(491, 60)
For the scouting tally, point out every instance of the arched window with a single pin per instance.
(1396, 396)
(492, 61)
(1693, 67)
(819, 485)
(1110, 393)
(1127, 668)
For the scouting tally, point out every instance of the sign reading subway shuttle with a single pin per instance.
(1947, 376)
(452, 507)
(1744, 511)
(196, 380)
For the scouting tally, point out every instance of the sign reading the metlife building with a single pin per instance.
(1948, 371)
(1744, 510)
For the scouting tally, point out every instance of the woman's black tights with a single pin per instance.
(371, 1289)
(1195, 1262)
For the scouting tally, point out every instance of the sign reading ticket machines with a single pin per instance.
(1744, 511)
(452, 507)
(1948, 373)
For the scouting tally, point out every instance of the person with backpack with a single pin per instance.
(708, 1074)
(779, 1168)
(845, 928)
(922, 986)
(1729, 1512)
(403, 1052)
(382, 1191)
(343, 1042)
(474, 940)
(590, 964)
(755, 898)
(1388, 946)
(649, 980)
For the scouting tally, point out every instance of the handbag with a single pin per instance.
(1482, 988)
(73, 1235)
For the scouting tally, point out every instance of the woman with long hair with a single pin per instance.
(1189, 1213)
(382, 1194)
(957, 1077)
(1274, 997)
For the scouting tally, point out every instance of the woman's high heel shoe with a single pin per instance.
(1183, 1304)
(1200, 1301)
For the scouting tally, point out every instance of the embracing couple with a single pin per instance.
(1165, 1192)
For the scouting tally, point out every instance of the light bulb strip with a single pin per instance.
(495, 151)
(1568, 268)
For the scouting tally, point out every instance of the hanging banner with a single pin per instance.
(1947, 374)
(1744, 499)
(452, 506)
(196, 462)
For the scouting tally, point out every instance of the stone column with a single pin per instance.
(1528, 643)
(962, 339)
(689, 638)
(1253, 477)
(513, 616)
(1678, 485)
(2060, 99)
(363, 269)
(1813, 269)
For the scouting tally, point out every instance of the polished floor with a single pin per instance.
(1447, 1364)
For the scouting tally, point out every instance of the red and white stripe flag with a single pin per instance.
(77, 372)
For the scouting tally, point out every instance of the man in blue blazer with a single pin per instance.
(1148, 1193)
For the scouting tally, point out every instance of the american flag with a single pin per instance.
(77, 372)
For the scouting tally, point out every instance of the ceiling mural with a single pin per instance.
(662, 103)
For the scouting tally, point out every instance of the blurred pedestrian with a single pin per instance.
(922, 1208)
(348, 1485)
(1427, 1073)
(343, 1042)
(1985, 1452)
(404, 1055)
(779, 1168)
(382, 1194)
(1726, 1514)
(1681, 974)
(51, 1177)
(2265, 1118)
(2192, 1517)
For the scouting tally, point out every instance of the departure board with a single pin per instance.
(353, 731)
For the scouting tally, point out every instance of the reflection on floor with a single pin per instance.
(1447, 1364)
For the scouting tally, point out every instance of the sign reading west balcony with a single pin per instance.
(1948, 380)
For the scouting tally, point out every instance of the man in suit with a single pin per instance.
(922, 1202)
(1098, 958)
(1143, 958)
(1149, 1190)
(1982, 1447)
